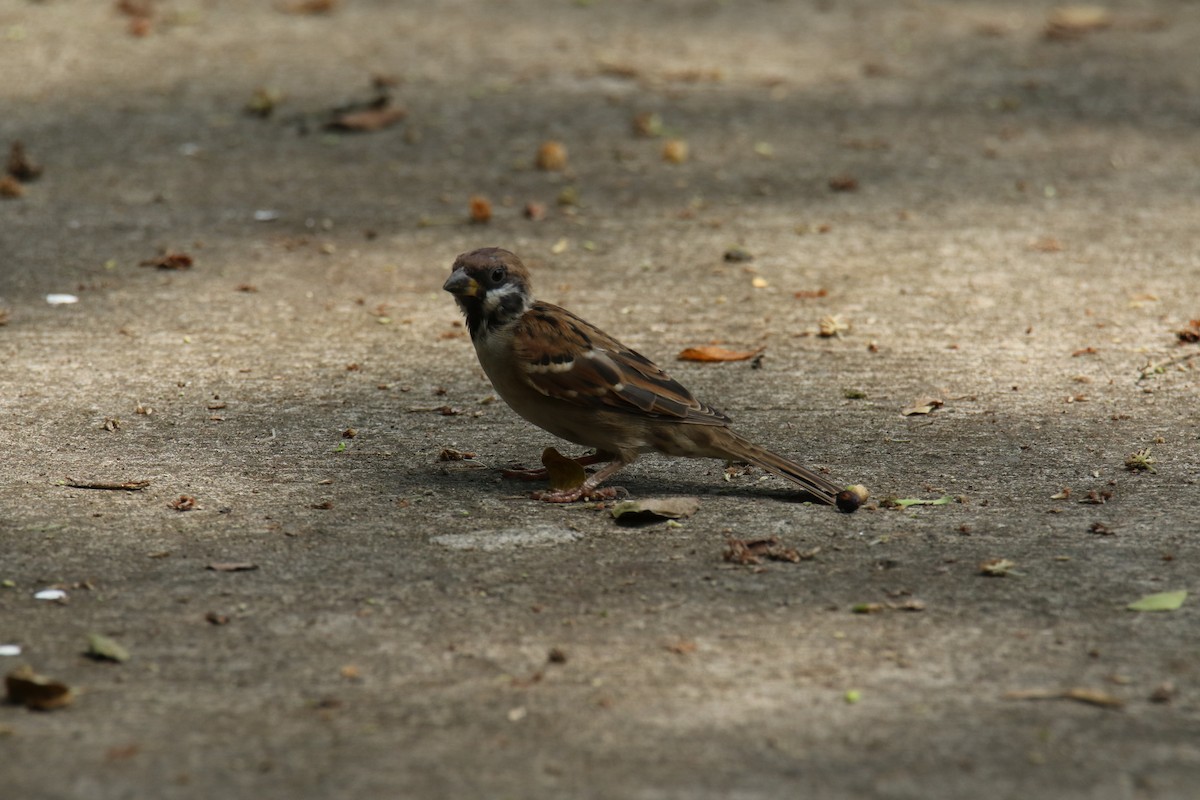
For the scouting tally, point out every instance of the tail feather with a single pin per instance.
(819, 486)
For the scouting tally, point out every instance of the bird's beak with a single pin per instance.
(461, 284)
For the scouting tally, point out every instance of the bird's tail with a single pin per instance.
(818, 486)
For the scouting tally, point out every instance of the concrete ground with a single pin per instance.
(997, 219)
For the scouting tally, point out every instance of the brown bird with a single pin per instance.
(570, 378)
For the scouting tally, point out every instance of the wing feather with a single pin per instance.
(566, 358)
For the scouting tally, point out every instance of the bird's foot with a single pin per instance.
(579, 493)
(541, 473)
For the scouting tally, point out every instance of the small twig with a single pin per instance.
(125, 486)
(1157, 367)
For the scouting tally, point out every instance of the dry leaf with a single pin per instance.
(481, 209)
(925, 405)
(832, 326)
(1071, 22)
(375, 116)
(564, 473)
(26, 688)
(10, 187)
(20, 165)
(311, 7)
(102, 648)
(843, 183)
(682, 647)
(654, 509)
(810, 294)
(170, 260)
(713, 353)
(232, 566)
(1093, 697)
(996, 567)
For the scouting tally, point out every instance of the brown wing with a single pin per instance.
(571, 360)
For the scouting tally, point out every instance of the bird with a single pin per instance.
(575, 381)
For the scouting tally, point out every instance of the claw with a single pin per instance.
(579, 493)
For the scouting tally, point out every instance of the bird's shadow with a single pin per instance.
(489, 480)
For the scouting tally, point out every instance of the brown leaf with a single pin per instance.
(10, 187)
(171, 260)
(708, 353)
(654, 509)
(564, 473)
(1072, 22)
(810, 294)
(682, 647)
(1094, 697)
(20, 165)
(26, 688)
(843, 183)
(184, 502)
(310, 7)
(375, 116)
(925, 405)
(126, 486)
(481, 209)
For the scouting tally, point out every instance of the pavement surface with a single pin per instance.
(998, 224)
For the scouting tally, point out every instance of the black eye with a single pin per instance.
(497, 274)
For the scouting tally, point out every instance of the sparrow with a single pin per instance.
(572, 379)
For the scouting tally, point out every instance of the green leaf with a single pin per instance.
(1162, 601)
(941, 501)
(102, 648)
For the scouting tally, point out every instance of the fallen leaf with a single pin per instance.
(375, 116)
(648, 124)
(232, 566)
(926, 405)
(752, 551)
(1072, 22)
(996, 567)
(810, 294)
(480, 209)
(654, 509)
(102, 648)
(183, 503)
(1093, 697)
(20, 166)
(867, 608)
(564, 473)
(1047, 244)
(125, 486)
(843, 183)
(831, 326)
(450, 454)
(26, 688)
(1140, 461)
(170, 260)
(682, 647)
(708, 353)
(10, 187)
(944, 500)
(1161, 601)
(310, 7)
(738, 254)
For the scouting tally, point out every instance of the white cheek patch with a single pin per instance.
(494, 297)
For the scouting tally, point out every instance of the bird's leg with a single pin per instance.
(541, 473)
(587, 490)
